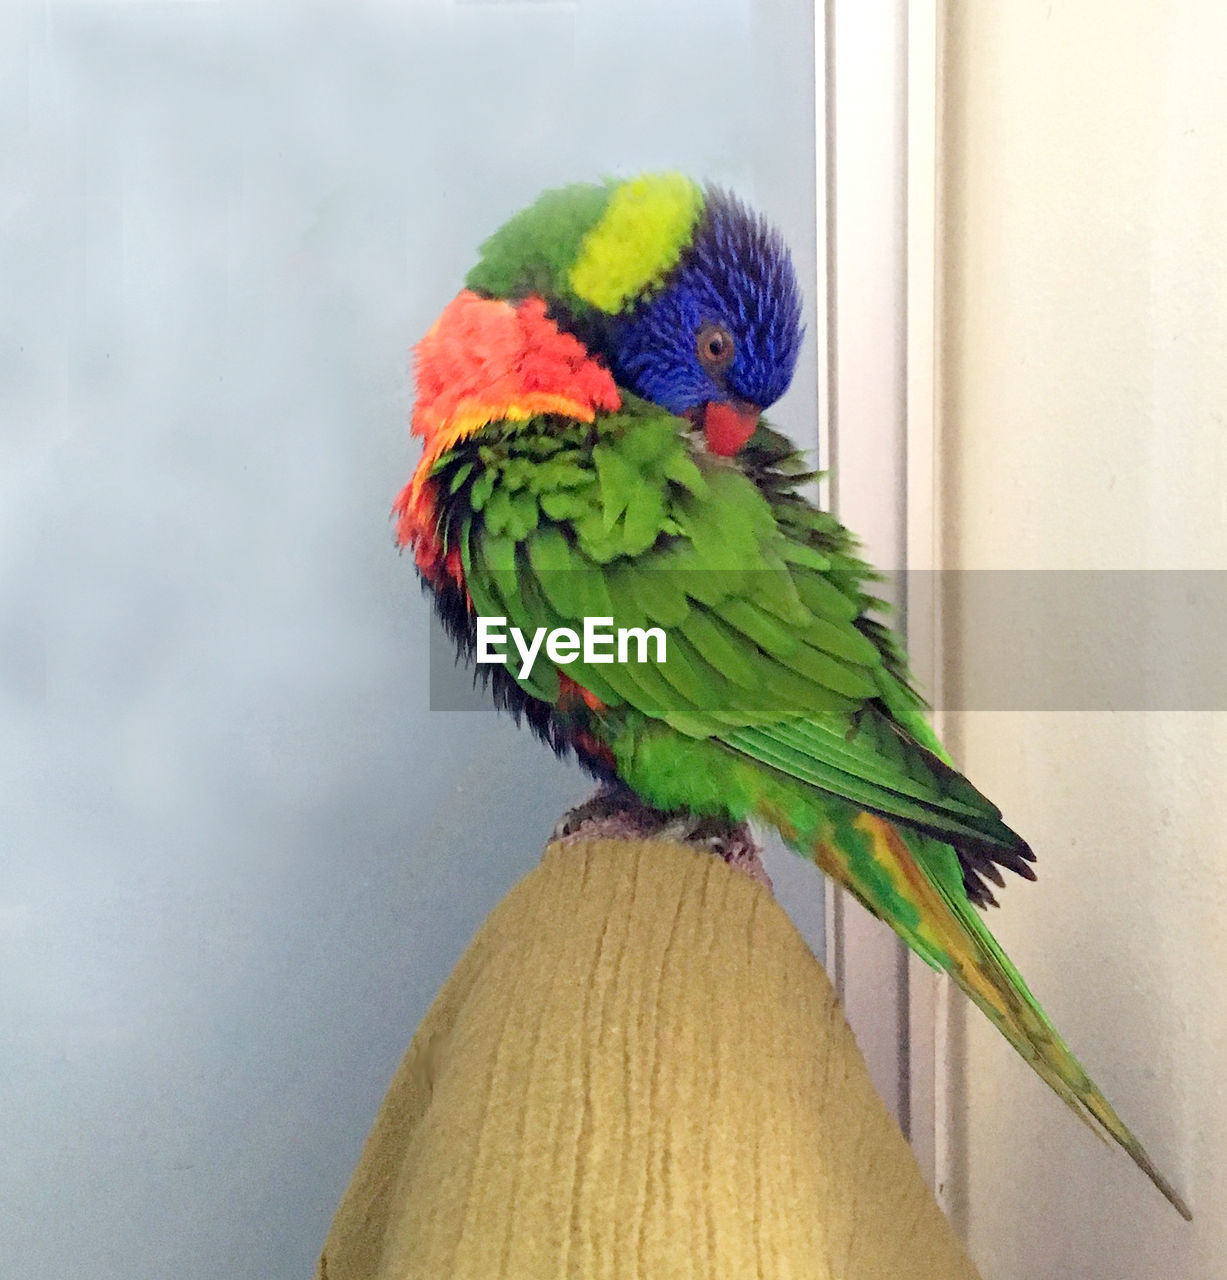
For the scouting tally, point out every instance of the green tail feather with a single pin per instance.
(913, 883)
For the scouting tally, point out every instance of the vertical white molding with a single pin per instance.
(824, 177)
(877, 63)
(927, 992)
(866, 196)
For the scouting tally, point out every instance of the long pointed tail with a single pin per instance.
(914, 883)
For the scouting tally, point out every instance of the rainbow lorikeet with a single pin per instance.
(590, 406)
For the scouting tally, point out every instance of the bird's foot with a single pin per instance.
(614, 812)
(608, 801)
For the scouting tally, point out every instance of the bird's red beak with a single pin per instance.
(728, 425)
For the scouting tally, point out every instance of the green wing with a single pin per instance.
(769, 650)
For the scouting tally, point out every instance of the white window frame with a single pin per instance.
(877, 75)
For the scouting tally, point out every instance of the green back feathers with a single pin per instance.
(592, 245)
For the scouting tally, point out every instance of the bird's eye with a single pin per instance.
(715, 347)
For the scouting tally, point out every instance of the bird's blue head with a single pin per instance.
(689, 296)
(717, 340)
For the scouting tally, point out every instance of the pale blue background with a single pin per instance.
(238, 853)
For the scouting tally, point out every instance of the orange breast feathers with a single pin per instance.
(485, 360)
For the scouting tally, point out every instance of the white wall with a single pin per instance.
(238, 853)
(1084, 349)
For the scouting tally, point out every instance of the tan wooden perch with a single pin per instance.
(639, 1071)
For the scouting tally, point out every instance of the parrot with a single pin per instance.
(591, 411)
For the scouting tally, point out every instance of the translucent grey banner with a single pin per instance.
(1005, 640)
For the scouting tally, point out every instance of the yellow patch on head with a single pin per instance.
(639, 238)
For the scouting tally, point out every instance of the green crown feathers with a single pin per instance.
(592, 245)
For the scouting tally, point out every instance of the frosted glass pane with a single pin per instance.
(239, 855)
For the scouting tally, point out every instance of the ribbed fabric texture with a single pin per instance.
(638, 1071)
